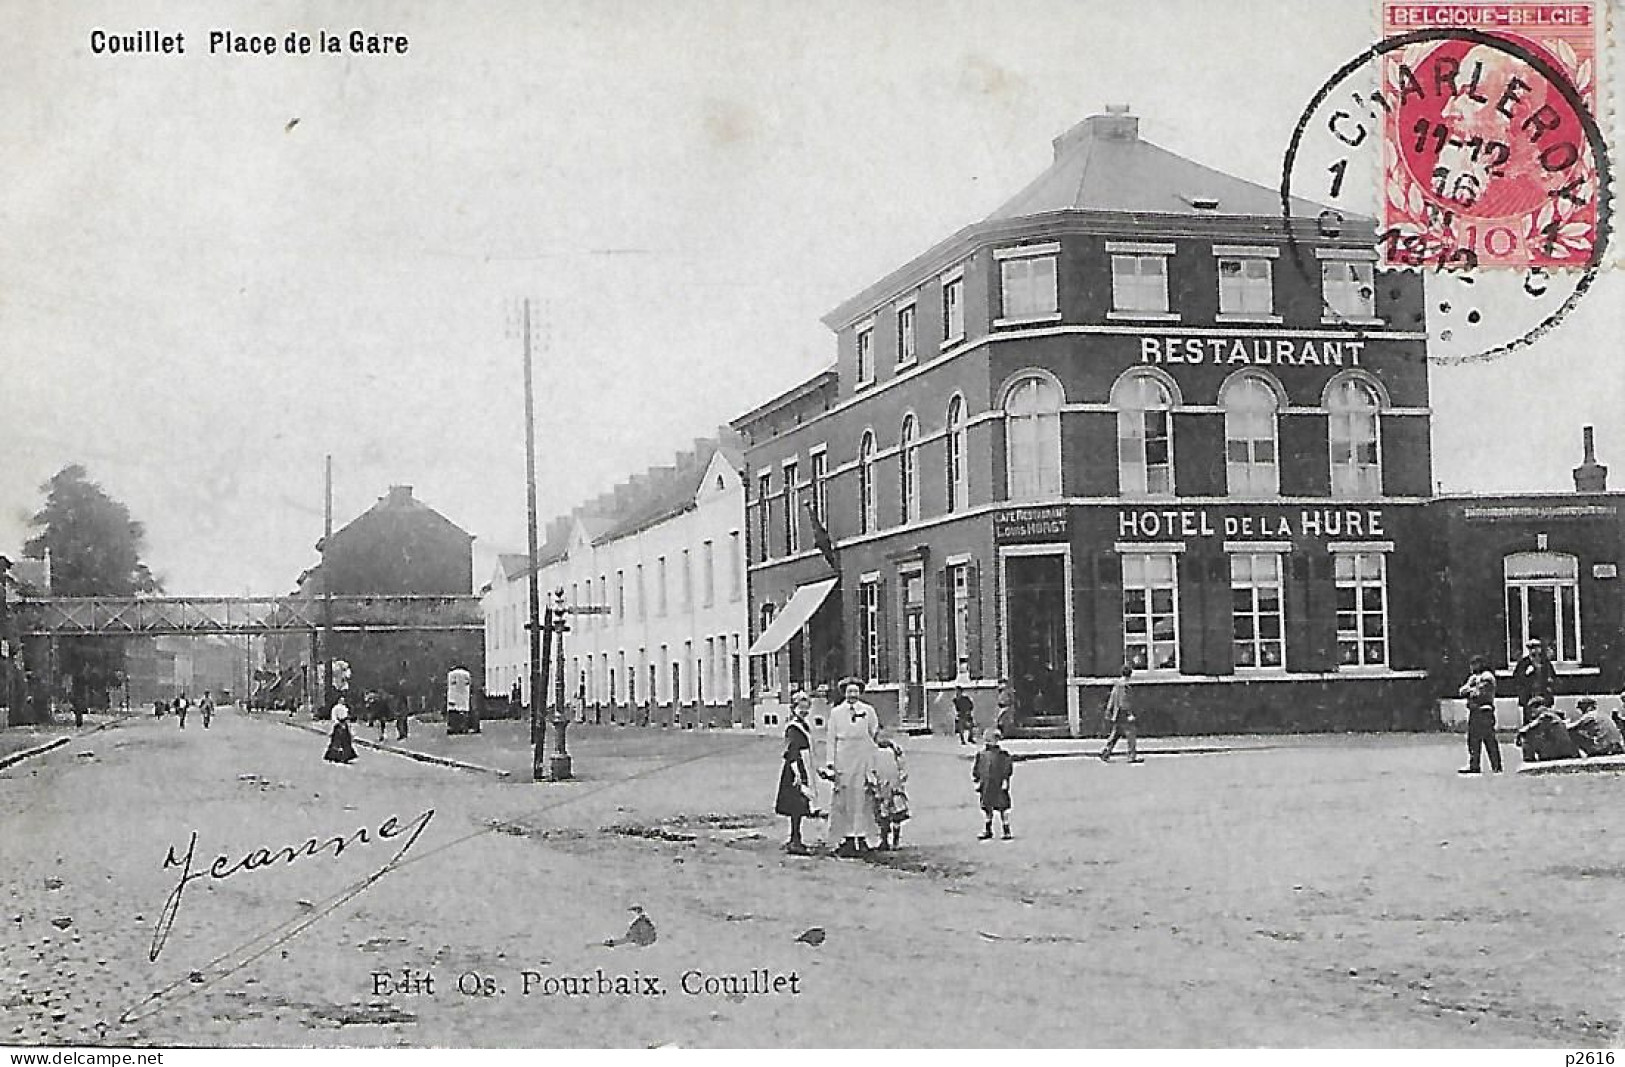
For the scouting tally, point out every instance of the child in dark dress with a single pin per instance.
(991, 773)
(794, 798)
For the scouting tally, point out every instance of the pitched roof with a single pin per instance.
(1101, 164)
(399, 498)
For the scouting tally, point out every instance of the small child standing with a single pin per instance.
(964, 717)
(991, 773)
(891, 796)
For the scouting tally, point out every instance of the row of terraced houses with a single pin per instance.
(1136, 415)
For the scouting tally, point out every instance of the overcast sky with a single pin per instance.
(200, 297)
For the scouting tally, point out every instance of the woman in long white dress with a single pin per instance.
(849, 756)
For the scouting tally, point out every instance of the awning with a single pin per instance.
(792, 618)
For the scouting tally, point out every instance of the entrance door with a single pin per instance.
(1035, 614)
(911, 713)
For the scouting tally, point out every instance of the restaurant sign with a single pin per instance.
(1017, 525)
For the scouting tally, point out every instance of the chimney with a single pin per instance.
(1116, 124)
(400, 494)
(1590, 476)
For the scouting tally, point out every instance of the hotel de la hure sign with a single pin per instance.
(1051, 523)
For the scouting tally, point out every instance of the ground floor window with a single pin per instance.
(1150, 611)
(1543, 603)
(1362, 609)
(1255, 598)
(869, 623)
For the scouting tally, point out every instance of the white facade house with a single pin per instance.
(665, 554)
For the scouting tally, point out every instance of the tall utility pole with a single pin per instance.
(538, 679)
(326, 666)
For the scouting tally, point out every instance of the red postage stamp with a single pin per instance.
(1491, 145)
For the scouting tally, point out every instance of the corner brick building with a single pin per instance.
(1135, 415)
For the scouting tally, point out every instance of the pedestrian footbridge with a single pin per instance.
(150, 616)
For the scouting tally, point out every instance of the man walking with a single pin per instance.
(1120, 713)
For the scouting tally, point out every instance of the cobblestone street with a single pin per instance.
(1309, 891)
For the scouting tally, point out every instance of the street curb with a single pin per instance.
(1028, 757)
(40, 750)
(1593, 765)
(411, 754)
(37, 750)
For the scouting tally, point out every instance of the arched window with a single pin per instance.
(958, 484)
(1251, 456)
(1032, 434)
(866, 483)
(908, 459)
(1353, 433)
(1145, 435)
(1543, 604)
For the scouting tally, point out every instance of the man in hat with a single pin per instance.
(1534, 680)
(1546, 736)
(1594, 733)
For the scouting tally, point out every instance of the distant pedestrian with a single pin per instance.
(1594, 733)
(340, 744)
(206, 707)
(1120, 714)
(991, 773)
(1546, 736)
(964, 717)
(795, 796)
(1479, 691)
(401, 718)
(181, 708)
(376, 708)
(1005, 704)
(78, 711)
(157, 709)
(1534, 680)
(890, 790)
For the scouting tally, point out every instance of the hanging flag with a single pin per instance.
(821, 539)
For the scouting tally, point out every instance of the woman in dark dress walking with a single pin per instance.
(340, 745)
(795, 783)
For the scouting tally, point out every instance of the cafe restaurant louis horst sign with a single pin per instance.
(1029, 525)
(1149, 524)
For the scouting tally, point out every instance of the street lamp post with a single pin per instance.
(538, 665)
(558, 764)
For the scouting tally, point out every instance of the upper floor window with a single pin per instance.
(1353, 432)
(906, 348)
(1140, 278)
(820, 487)
(792, 509)
(708, 572)
(1032, 409)
(1246, 286)
(1027, 281)
(958, 483)
(1348, 289)
(866, 354)
(1251, 456)
(953, 306)
(660, 585)
(736, 571)
(764, 489)
(1145, 435)
(866, 483)
(909, 484)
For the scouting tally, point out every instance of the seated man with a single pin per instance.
(1546, 737)
(1594, 733)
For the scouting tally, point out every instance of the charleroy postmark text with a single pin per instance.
(597, 982)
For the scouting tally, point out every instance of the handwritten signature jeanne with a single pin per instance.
(259, 858)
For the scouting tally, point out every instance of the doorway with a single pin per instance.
(1037, 654)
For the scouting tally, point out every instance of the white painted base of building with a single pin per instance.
(1508, 716)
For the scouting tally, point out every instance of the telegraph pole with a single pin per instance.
(538, 676)
(327, 595)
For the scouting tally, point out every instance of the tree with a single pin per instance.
(94, 548)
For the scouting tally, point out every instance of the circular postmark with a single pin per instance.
(1494, 179)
